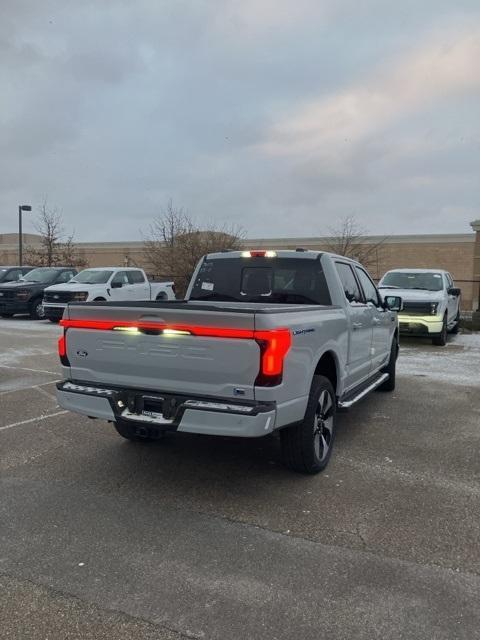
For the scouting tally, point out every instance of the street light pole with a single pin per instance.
(21, 207)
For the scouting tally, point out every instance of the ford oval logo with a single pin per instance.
(82, 354)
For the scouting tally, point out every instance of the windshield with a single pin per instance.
(412, 280)
(92, 276)
(40, 275)
(270, 280)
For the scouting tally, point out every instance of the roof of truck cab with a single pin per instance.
(413, 270)
(113, 269)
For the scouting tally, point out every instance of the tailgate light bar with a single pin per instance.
(274, 343)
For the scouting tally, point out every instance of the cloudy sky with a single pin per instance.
(283, 116)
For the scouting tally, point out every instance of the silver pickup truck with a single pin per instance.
(264, 341)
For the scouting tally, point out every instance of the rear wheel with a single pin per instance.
(137, 433)
(441, 339)
(37, 312)
(7, 315)
(307, 447)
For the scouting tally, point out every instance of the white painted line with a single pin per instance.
(6, 366)
(37, 419)
(46, 394)
(33, 386)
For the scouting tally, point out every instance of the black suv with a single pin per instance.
(26, 295)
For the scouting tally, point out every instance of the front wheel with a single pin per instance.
(441, 339)
(37, 312)
(307, 446)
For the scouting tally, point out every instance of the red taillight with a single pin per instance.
(62, 350)
(274, 346)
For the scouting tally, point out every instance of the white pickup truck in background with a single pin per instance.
(431, 302)
(104, 284)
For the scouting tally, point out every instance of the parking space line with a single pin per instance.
(33, 386)
(6, 366)
(30, 420)
(45, 393)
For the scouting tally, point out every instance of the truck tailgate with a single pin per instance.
(165, 349)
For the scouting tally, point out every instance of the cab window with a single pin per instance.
(120, 277)
(349, 283)
(369, 289)
(135, 277)
(65, 276)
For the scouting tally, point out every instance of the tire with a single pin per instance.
(161, 297)
(456, 327)
(7, 315)
(54, 320)
(36, 309)
(307, 446)
(133, 432)
(441, 339)
(391, 369)
(99, 300)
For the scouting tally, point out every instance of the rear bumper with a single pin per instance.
(169, 412)
(419, 325)
(14, 306)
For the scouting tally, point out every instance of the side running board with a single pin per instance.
(357, 394)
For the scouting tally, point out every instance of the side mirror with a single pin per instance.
(453, 291)
(394, 303)
(117, 285)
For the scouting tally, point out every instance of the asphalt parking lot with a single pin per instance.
(200, 537)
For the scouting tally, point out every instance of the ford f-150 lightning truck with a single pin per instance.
(264, 341)
(431, 302)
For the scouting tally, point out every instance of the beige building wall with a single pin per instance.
(455, 253)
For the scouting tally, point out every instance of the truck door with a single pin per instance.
(361, 327)
(382, 321)
(140, 289)
(120, 287)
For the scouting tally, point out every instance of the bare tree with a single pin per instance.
(174, 243)
(351, 240)
(56, 248)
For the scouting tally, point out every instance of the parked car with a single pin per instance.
(12, 274)
(26, 295)
(264, 341)
(431, 302)
(104, 284)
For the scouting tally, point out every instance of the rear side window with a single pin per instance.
(349, 283)
(65, 276)
(135, 277)
(273, 280)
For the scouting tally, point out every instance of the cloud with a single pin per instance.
(445, 65)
